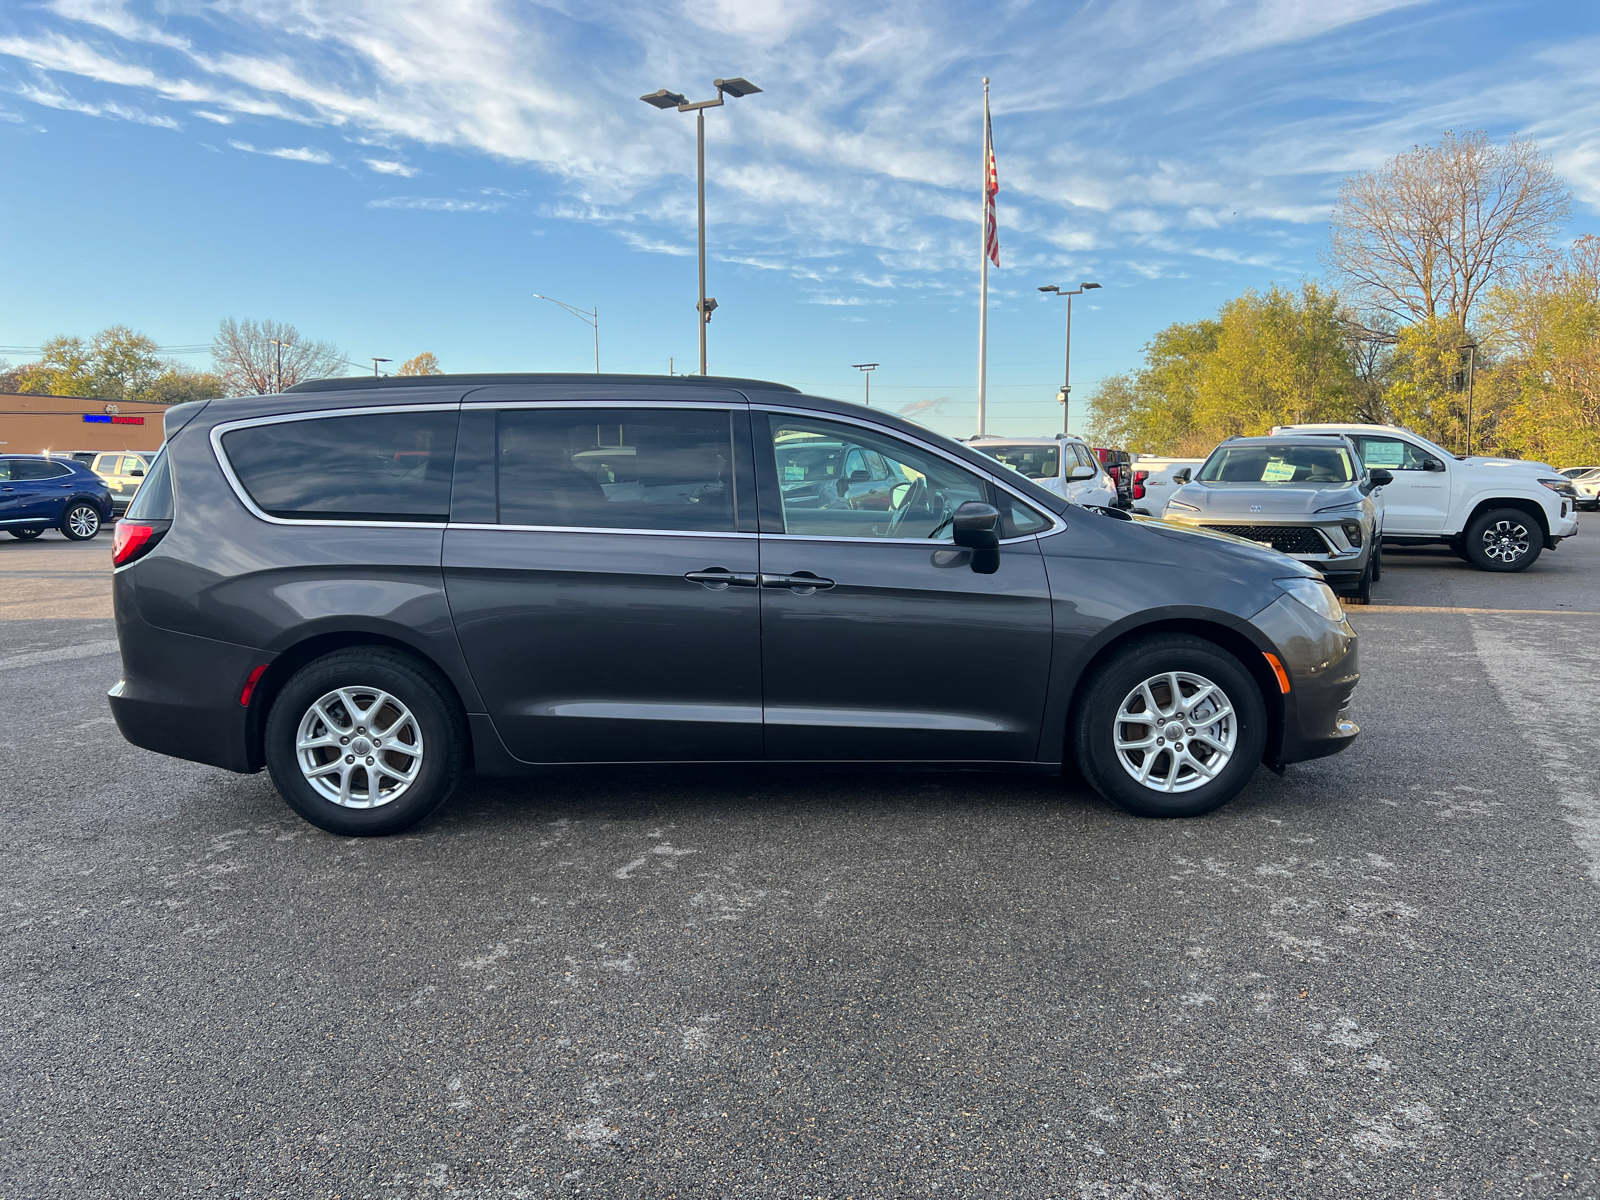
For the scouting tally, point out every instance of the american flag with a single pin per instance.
(991, 186)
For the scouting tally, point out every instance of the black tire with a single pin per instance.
(1377, 561)
(25, 535)
(1504, 540)
(439, 722)
(1459, 549)
(1116, 680)
(1362, 592)
(80, 522)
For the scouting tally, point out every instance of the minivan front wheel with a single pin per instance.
(365, 742)
(1171, 726)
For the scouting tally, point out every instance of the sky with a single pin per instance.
(397, 176)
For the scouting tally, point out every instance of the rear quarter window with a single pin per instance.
(377, 467)
(154, 501)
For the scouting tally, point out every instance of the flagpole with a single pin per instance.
(983, 273)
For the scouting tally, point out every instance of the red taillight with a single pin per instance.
(127, 539)
(1138, 484)
(250, 685)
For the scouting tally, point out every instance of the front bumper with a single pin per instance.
(1322, 663)
(1321, 543)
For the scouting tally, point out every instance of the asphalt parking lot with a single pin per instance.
(1375, 977)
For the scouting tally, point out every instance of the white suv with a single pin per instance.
(1497, 513)
(1064, 464)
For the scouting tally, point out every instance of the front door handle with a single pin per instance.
(802, 583)
(718, 579)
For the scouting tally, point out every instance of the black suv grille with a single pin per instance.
(1285, 539)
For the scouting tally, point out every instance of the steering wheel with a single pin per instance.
(914, 497)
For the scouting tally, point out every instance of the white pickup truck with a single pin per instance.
(1497, 513)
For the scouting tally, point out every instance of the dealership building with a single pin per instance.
(62, 424)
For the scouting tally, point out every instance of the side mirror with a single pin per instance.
(1082, 471)
(976, 526)
(1432, 464)
(1181, 475)
(860, 476)
(1381, 477)
(135, 472)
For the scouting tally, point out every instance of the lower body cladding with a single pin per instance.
(1320, 659)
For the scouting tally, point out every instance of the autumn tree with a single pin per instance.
(115, 364)
(253, 358)
(1426, 234)
(425, 363)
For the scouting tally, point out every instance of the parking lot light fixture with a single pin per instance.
(375, 363)
(587, 316)
(1065, 394)
(664, 99)
(866, 370)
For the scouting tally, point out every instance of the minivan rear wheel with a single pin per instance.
(365, 741)
(1171, 726)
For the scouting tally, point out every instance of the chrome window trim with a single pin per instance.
(316, 415)
(704, 405)
(485, 525)
(1056, 523)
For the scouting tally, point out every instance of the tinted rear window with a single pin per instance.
(38, 468)
(153, 501)
(382, 467)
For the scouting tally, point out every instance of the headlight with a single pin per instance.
(1315, 595)
(1343, 505)
(1183, 506)
(1561, 486)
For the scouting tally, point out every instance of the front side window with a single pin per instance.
(924, 494)
(377, 467)
(1279, 464)
(1392, 454)
(643, 468)
(1036, 462)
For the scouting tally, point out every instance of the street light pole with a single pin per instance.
(664, 99)
(587, 316)
(375, 363)
(1066, 380)
(277, 375)
(866, 370)
(1472, 370)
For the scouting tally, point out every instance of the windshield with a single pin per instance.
(1279, 464)
(1036, 462)
(809, 461)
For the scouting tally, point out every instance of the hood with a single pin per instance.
(1533, 468)
(1265, 499)
(1278, 566)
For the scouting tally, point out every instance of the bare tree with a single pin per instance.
(1425, 234)
(254, 358)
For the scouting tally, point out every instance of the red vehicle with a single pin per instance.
(1119, 465)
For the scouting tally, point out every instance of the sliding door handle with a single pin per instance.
(802, 583)
(719, 579)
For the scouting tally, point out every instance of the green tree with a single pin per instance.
(64, 368)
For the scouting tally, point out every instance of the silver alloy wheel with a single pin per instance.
(1175, 732)
(84, 521)
(359, 747)
(1506, 541)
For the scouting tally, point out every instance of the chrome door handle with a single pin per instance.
(802, 583)
(718, 579)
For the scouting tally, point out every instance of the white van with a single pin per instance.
(1064, 464)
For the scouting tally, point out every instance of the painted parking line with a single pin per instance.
(1364, 609)
(37, 657)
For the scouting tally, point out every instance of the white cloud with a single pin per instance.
(50, 98)
(387, 167)
(304, 154)
(434, 204)
(218, 118)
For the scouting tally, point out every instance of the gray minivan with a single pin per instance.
(371, 586)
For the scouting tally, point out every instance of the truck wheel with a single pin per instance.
(365, 741)
(1172, 726)
(1503, 539)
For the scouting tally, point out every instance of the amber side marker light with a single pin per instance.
(1277, 669)
(250, 685)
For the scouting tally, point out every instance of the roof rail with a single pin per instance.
(351, 383)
